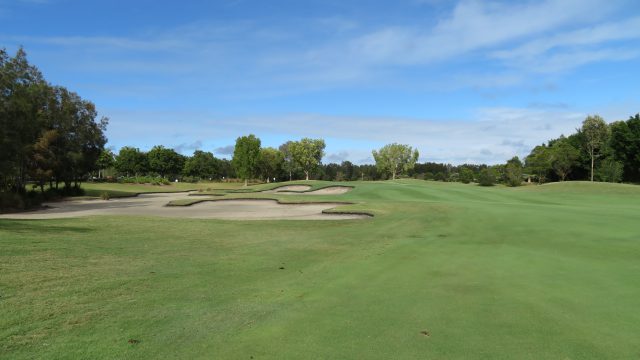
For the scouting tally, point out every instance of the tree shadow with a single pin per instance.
(40, 227)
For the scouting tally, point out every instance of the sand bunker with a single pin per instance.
(154, 205)
(302, 190)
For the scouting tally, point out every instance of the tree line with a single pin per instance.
(597, 151)
(49, 135)
(53, 139)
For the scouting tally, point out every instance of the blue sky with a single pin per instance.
(463, 81)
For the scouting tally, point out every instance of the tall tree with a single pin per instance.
(165, 161)
(202, 165)
(538, 162)
(131, 161)
(270, 163)
(245, 157)
(564, 157)
(307, 154)
(625, 145)
(289, 164)
(106, 160)
(513, 172)
(31, 112)
(596, 133)
(45, 160)
(395, 159)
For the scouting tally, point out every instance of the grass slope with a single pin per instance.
(495, 273)
(122, 190)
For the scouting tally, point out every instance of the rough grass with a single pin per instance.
(123, 190)
(444, 271)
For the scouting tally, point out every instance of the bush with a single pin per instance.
(466, 175)
(9, 200)
(440, 176)
(609, 171)
(144, 180)
(486, 177)
(105, 196)
(190, 179)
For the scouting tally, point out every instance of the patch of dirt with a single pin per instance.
(133, 341)
(425, 333)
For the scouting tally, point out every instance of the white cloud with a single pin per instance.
(512, 38)
(492, 136)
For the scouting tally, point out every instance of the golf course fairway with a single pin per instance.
(441, 271)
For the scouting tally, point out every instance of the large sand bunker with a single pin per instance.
(154, 205)
(304, 190)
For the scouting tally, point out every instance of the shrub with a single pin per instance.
(440, 176)
(486, 177)
(609, 171)
(465, 175)
(144, 180)
(513, 172)
(10, 200)
(105, 196)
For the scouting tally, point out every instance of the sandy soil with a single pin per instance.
(154, 205)
(302, 190)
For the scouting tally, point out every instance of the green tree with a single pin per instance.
(538, 162)
(513, 172)
(106, 160)
(245, 157)
(596, 133)
(625, 145)
(395, 159)
(45, 160)
(270, 163)
(563, 157)
(131, 161)
(22, 101)
(45, 131)
(202, 165)
(307, 154)
(288, 165)
(610, 170)
(465, 175)
(164, 162)
(487, 177)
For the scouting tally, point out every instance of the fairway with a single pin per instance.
(442, 271)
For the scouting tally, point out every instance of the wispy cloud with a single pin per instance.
(492, 136)
(224, 150)
(511, 38)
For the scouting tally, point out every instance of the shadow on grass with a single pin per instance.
(40, 227)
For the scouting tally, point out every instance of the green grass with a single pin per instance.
(123, 190)
(537, 272)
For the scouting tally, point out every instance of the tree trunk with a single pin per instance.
(245, 182)
(290, 177)
(592, 161)
(393, 175)
(306, 173)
